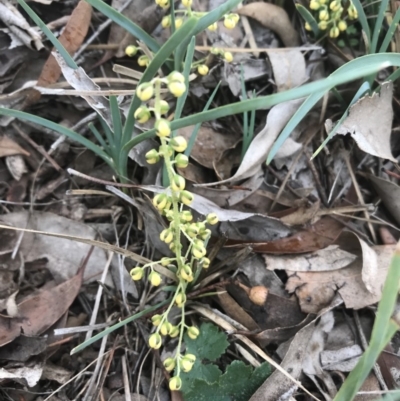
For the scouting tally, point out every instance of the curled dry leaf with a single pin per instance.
(370, 123)
(272, 17)
(289, 68)
(389, 192)
(37, 313)
(16, 166)
(8, 147)
(71, 38)
(210, 144)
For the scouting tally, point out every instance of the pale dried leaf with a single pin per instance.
(16, 166)
(370, 123)
(8, 147)
(329, 258)
(26, 374)
(343, 359)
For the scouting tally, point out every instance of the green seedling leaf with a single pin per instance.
(125, 23)
(308, 17)
(61, 49)
(210, 344)
(98, 136)
(238, 383)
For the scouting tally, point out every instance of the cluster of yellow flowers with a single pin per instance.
(332, 16)
(186, 263)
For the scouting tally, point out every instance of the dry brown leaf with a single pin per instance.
(315, 290)
(210, 144)
(389, 192)
(274, 18)
(37, 313)
(24, 374)
(71, 38)
(16, 166)
(370, 123)
(8, 147)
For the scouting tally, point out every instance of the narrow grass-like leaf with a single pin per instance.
(58, 128)
(301, 112)
(122, 323)
(308, 17)
(186, 72)
(383, 330)
(98, 136)
(378, 25)
(215, 15)
(160, 57)
(196, 128)
(355, 69)
(364, 22)
(364, 88)
(389, 34)
(252, 121)
(126, 23)
(55, 42)
(116, 119)
(245, 141)
(393, 395)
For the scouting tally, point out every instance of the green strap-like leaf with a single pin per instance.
(389, 34)
(308, 17)
(363, 21)
(126, 23)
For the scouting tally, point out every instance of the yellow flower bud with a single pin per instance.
(202, 69)
(177, 88)
(205, 234)
(314, 5)
(166, 236)
(156, 320)
(213, 27)
(155, 341)
(165, 328)
(166, 21)
(164, 107)
(323, 25)
(181, 161)
(137, 273)
(205, 262)
(174, 332)
(334, 32)
(163, 3)
(342, 25)
(187, 3)
(229, 23)
(186, 365)
(131, 50)
(176, 76)
(180, 299)
(145, 91)
(186, 216)
(235, 17)
(201, 226)
(169, 364)
(160, 201)
(186, 197)
(307, 26)
(175, 383)
(323, 15)
(212, 218)
(198, 249)
(142, 114)
(192, 230)
(186, 273)
(228, 57)
(178, 143)
(178, 23)
(193, 332)
(152, 156)
(155, 279)
(165, 261)
(143, 61)
(335, 5)
(163, 127)
(178, 183)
